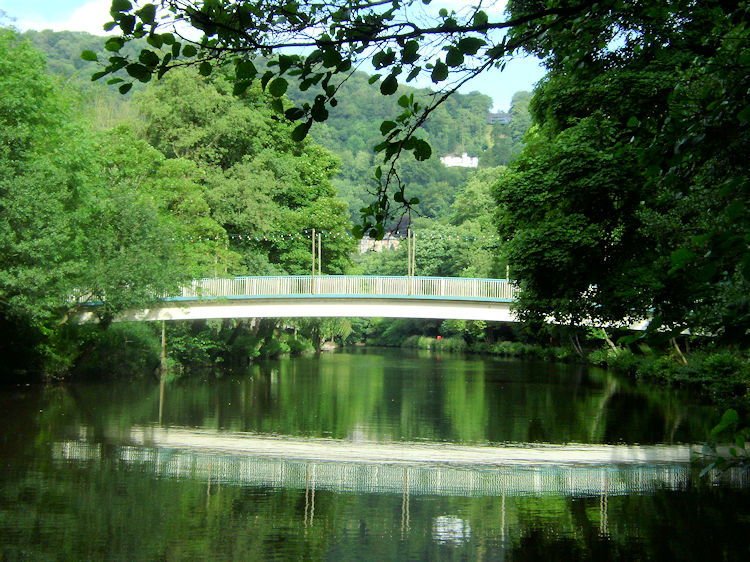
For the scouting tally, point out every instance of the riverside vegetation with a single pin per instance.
(567, 207)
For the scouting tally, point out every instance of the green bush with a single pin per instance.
(452, 327)
(565, 354)
(273, 347)
(509, 348)
(621, 361)
(482, 347)
(299, 345)
(417, 342)
(127, 350)
(195, 344)
(455, 344)
(625, 362)
(245, 347)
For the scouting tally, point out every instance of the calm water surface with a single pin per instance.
(364, 455)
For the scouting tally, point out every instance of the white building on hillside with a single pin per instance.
(463, 161)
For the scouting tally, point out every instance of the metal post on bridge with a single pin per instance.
(312, 274)
(316, 255)
(411, 250)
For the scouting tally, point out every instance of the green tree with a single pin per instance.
(76, 217)
(507, 139)
(631, 194)
(449, 47)
(266, 191)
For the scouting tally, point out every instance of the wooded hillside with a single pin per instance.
(351, 131)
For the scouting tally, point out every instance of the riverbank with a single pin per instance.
(719, 375)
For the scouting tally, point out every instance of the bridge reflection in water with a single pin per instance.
(432, 469)
(408, 469)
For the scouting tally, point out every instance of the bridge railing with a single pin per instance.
(351, 285)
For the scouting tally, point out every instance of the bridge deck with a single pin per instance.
(350, 286)
(333, 296)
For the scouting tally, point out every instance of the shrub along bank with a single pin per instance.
(718, 373)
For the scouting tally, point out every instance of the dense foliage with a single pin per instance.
(351, 131)
(119, 217)
(631, 199)
(69, 221)
(402, 39)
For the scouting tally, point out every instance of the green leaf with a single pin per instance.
(114, 44)
(382, 59)
(278, 87)
(294, 114)
(632, 122)
(147, 14)
(189, 51)
(404, 101)
(113, 81)
(413, 74)
(127, 23)
(409, 53)
(286, 62)
(480, 18)
(744, 115)
(389, 85)
(96, 75)
(89, 55)
(277, 104)
(204, 68)
(319, 111)
(374, 78)
(300, 131)
(440, 72)
(241, 86)
(138, 71)
(155, 40)
(331, 57)
(422, 150)
(148, 58)
(454, 57)
(125, 88)
(246, 70)
(386, 126)
(121, 6)
(471, 45)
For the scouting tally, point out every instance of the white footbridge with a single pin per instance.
(333, 296)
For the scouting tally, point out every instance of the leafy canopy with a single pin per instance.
(631, 198)
(403, 39)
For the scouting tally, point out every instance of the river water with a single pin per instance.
(367, 455)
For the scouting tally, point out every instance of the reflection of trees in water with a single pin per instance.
(392, 397)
